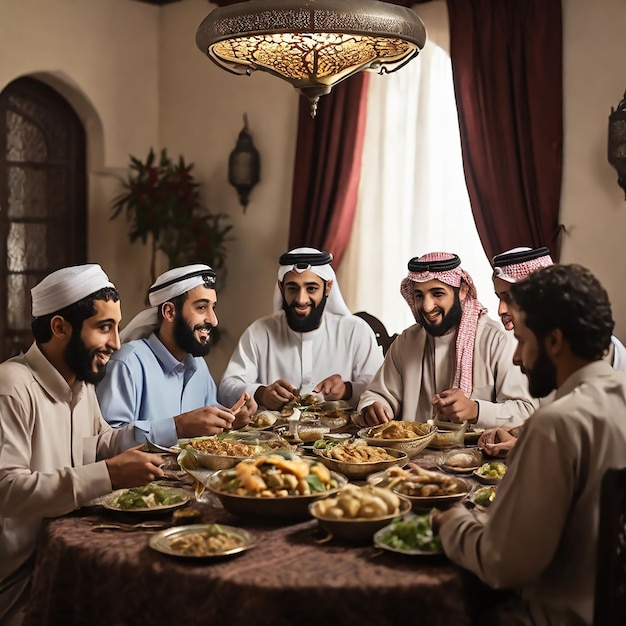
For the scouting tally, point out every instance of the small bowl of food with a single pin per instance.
(409, 437)
(490, 473)
(274, 486)
(358, 460)
(449, 435)
(463, 461)
(356, 513)
(484, 497)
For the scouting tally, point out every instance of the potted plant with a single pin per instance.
(162, 203)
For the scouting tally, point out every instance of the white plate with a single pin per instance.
(162, 541)
(110, 501)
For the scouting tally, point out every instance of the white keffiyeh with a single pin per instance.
(169, 285)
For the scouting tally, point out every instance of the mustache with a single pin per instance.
(208, 327)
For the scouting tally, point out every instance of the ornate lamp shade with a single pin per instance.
(617, 142)
(312, 44)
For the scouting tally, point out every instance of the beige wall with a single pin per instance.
(593, 209)
(136, 78)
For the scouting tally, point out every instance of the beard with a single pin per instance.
(81, 360)
(448, 321)
(309, 322)
(186, 340)
(542, 376)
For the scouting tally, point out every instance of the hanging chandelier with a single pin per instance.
(312, 44)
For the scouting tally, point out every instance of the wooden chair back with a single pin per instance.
(610, 594)
(383, 338)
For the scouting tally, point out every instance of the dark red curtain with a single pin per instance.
(326, 172)
(507, 68)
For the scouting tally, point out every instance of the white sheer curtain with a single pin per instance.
(412, 195)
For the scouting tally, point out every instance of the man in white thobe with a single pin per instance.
(454, 364)
(312, 343)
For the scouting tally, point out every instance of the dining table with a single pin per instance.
(96, 566)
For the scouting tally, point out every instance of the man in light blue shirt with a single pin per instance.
(159, 380)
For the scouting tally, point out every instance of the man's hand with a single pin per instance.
(455, 406)
(207, 420)
(334, 388)
(373, 415)
(134, 468)
(243, 409)
(275, 396)
(496, 442)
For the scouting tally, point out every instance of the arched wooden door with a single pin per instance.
(42, 199)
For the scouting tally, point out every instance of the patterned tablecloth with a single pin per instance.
(89, 578)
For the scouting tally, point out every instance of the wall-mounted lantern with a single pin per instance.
(244, 165)
(617, 142)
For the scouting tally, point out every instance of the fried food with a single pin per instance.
(401, 430)
(416, 481)
(355, 453)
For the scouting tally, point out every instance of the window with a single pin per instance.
(412, 194)
(42, 199)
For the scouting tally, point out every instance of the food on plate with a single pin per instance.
(401, 430)
(147, 497)
(461, 460)
(357, 452)
(415, 481)
(484, 496)
(207, 543)
(277, 476)
(227, 447)
(234, 444)
(354, 502)
(263, 419)
(495, 470)
(308, 402)
(411, 533)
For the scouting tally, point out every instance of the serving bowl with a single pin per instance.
(356, 530)
(490, 473)
(360, 471)
(263, 441)
(424, 503)
(449, 435)
(374, 436)
(270, 508)
(425, 489)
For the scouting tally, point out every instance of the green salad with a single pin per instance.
(411, 533)
(485, 496)
(147, 497)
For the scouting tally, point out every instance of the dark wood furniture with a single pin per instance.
(382, 336)
(610, 597)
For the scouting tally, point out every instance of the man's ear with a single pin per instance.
(168, 310)
(329, 286)
(60, 327)
(463, 289)
(554, 341)
(280, 286)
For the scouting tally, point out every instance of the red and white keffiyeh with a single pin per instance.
(471, 307)
(510, 267)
